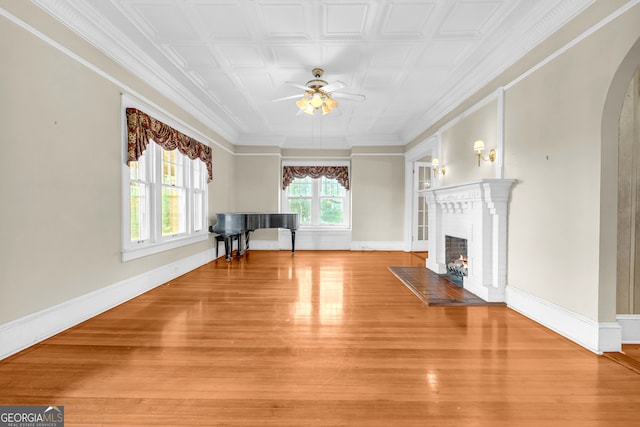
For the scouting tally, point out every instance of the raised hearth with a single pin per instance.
(476, 212)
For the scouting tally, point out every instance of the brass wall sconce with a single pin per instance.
(478, 147)
(437, 169)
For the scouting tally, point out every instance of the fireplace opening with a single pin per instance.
(456, 258)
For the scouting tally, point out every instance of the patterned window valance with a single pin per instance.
(141, 128)
(340, 173)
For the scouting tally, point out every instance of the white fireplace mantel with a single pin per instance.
(476, 212)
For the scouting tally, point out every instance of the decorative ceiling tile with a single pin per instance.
(444, 53)
(224, 61)
(296, 54)
(341, 58)
(468, 19)
(167, 21)
(345, 19)
(390, 55)
(193, 56)
(221, 20)
(244, 55)
(407, 20)
(285, 20)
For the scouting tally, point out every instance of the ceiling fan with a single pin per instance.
(319, 95)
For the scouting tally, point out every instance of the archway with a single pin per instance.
(609, 190)
(628, 255)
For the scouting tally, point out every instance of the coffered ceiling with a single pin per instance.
(224, 61)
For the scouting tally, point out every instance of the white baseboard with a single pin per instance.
(598, 337)
(21, 333)
(377, 246)
(630, 324)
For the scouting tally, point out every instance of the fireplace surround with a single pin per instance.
(476, 212)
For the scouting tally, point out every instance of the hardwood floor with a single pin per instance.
(318, 338)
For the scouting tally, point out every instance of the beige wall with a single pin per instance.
(258, 187)
(377, 197)
(553, 138)
(61, 136)
(457, 146)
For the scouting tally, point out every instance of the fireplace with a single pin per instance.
(476, 213)
(456, 258)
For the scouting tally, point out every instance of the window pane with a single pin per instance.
(198, 213)
(303, 208)
(173, 211)
(198, 174)
(135, 170)
(331, 211)
(331, 187)
(172, 173)
(139, 215)
(300, 187)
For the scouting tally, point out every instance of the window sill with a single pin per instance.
(146, 249)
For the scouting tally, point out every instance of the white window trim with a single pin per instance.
(156, 242)
(285, 200)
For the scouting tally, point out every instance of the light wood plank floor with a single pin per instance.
(318, 338)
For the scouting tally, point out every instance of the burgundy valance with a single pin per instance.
(339, 173)
(141, 128)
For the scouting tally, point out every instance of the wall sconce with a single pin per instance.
(478, 147)
(435, 163)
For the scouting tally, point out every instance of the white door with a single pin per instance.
(420, 223)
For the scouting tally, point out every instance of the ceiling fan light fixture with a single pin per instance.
(316, 100)
(309, 109)
(318, 95)
(302, 103)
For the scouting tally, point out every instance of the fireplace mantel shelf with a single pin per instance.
(477, 212)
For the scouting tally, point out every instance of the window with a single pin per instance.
(320, 202)
(167, 207)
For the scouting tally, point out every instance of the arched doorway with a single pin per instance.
(612, 263)
(628, 245)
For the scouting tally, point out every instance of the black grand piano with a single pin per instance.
(237, 226)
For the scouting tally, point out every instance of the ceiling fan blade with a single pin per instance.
(349, 96)
(299, 86)
(337, 85)
(287, 97)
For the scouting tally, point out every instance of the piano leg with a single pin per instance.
(246, 240)
(240, 250)
(228, 247)
(293, 241)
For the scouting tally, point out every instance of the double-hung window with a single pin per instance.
(320, 202)
(165, 202)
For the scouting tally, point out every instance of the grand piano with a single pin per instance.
(237, 226)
